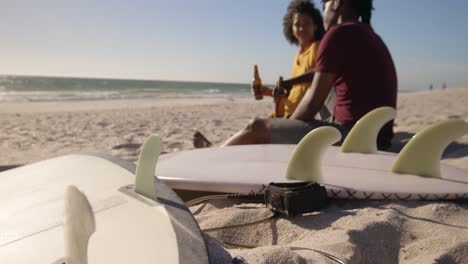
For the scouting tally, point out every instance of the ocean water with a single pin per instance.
(33, 89)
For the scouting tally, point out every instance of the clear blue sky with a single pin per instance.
(213, 40)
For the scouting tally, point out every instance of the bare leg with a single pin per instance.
(200, 141)
(256, 132)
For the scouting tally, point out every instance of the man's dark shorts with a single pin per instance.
(289, 131)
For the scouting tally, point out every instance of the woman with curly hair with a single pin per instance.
(302, 26)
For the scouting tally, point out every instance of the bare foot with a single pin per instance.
(200, 141)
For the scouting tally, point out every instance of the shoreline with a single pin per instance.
(97, 105)
(107, 104)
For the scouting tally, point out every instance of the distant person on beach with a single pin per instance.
(353, 60)
(302, 26)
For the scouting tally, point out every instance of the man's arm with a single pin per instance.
(314, 97)
(303, 78)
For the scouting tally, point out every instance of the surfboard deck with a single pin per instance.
(129, 228)
(245, 169)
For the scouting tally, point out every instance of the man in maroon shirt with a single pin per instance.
(354, 60)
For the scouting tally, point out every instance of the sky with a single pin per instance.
(213, 40)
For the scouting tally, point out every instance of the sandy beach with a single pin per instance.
(356, 232)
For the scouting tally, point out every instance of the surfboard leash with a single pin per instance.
(206, 198)
(289, 199)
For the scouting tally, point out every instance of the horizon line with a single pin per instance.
(113, 78)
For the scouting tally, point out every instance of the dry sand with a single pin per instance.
(357, 232)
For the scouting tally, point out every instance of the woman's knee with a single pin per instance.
(257, 127)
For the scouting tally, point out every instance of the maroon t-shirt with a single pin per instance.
(365, 70)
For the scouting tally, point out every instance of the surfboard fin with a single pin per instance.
(421, 156)
(144, 180)
(305, 163)
(79, 226)
(363, 136)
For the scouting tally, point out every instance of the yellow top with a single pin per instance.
(303, 62)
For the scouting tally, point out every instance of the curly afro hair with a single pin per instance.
(363, 9)
(302, 7)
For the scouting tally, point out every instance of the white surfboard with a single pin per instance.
(129, 227)
(246, 169)
(354, 171)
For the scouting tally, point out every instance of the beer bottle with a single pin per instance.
(279, 85)
(278, 98)
(257, 84)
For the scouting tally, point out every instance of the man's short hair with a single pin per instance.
(363, 9)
